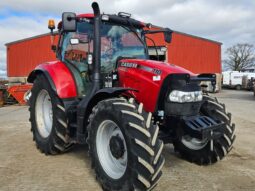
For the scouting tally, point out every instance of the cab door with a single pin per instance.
(76, 53)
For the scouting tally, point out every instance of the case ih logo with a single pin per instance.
(128, 64)
(141, 67)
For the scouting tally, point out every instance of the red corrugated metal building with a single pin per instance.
(24, 55)
(196, 54)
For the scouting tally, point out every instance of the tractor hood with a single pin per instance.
(151, 79)
(154, 67)
(147, 77)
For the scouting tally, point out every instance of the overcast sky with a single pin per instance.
(227, 21)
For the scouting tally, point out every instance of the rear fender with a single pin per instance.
(59, 76)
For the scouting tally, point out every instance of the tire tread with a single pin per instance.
(144, 145)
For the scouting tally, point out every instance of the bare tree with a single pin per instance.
(240, 56)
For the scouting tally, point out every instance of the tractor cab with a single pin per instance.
(120, 37)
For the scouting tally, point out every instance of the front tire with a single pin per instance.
(205, 152)
(124, 146)
(48, 118)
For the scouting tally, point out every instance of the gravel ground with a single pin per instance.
(23, 167)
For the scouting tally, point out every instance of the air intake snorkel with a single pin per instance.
(96, 45)
(96, 79)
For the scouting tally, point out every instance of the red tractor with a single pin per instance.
(104, 92)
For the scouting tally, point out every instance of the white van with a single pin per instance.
(233, 79)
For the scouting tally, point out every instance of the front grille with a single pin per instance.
(182, 109)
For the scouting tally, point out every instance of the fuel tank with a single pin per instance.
(147, 77)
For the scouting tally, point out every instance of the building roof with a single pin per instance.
(46, 34)
(29, 38)
(202, 38)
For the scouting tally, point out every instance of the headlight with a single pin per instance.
(181, 97)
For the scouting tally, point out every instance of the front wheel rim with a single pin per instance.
(113, 167)
(44, 113)
(193, 143)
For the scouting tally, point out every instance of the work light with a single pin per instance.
(181, 97)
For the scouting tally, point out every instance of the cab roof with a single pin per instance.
(117, 19)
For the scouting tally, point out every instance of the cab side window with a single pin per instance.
(76, 46)
(75, 49)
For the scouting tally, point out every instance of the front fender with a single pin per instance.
(86, 105)
(59, 77)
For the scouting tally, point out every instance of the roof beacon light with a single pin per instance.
(51, 24)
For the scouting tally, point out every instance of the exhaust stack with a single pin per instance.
(96, 43)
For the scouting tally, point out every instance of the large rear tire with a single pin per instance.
(48, 118)
(124, 146)
(205, 152)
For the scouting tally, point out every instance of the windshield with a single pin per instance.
(122, 41)
(116, 41)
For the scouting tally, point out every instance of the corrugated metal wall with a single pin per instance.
(24, 56)
(195, 54)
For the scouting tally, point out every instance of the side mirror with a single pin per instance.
(69, 23)
(168, 35)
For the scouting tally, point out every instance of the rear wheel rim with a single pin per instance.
(43, 113)
(193, 143)
(113, 167)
